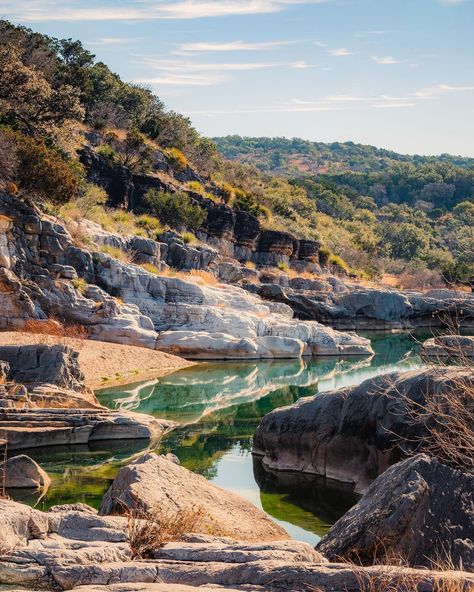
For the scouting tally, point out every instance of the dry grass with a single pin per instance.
(150, 530)
(56, 328)
(204, 277)
(150, 268)
(117, 253)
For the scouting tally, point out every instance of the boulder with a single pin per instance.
(23, 472)
(153, 481)
(51, 364)
(355, 433)
(449, 346)
(418, 509)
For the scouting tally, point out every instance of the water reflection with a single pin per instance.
(218, 407)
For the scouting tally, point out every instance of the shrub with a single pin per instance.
(324, 255)
(282, 266)
(178, 159)
(150, 223)
(175, 209)
(150, 530)
(189, 238)
(56, 328)
(41, 171)
(339, 262)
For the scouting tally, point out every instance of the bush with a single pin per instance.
(178, 159)
(175, 209)
(340, 263)
(41, 171)
(189, 238)
(150, 223)
(324, 255)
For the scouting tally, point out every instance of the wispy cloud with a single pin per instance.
(440, 89)
(229, 46)
(386, 61)
(374, 33)
(87, 10)
(113, 41)
(300, 65)
(341, 52)
(182, 73)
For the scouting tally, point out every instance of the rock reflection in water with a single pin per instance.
(322, 500)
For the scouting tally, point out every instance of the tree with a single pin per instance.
(406, 241)
(175, 209)
(28, 99)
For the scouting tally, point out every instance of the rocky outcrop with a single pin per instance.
(353, 434)
(21, 471)
(453, 347)
(153, 481)
(42, 255)
(418, 509)
(352, 307)
(43, 402)
(71, 547)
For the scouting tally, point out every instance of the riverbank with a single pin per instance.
(106, 364)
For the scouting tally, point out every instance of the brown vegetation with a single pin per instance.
(150, 530)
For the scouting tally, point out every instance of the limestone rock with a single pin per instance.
(449, 346)
(23, 472)
(418, 509)
(153, 481)
(355, 433)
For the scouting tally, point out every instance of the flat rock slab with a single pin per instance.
(449, 346)
(152, 481)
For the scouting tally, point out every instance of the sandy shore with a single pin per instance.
(106, 364)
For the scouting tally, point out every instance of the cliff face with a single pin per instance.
(235, 233)
(45, 275)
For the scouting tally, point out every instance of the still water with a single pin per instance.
(218, 406)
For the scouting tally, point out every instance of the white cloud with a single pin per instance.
(61, 10)
(229, 46)
(341, 52)
(113, 41)
(440, 89)
(386, 61)
(374, 33)
(400, 105)
(300, 65)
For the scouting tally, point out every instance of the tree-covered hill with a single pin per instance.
(293, 157)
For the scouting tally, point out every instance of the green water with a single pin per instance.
(218, 407)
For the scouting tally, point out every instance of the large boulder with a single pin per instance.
(23, 472)
(50, 364)
(355, 433)
(152, 481)
(418, 509)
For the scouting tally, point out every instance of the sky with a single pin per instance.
(396, 74)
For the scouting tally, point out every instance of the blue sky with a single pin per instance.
(393, 73)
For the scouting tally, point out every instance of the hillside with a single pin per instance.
(77, 140)
(294, 157)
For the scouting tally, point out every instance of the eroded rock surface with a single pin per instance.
(455, 347)
(71, 547)
(417, 509)
(355, 433)
(152, 481)
(125, 303)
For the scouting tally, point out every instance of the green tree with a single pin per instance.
(175, 209)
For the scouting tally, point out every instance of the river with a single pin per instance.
(218, 406)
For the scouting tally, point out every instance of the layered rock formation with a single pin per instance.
(349, 306)
(225, 321)
(153, 481)
(44, 402)
(455, 347)
(418, 509)
(70, 546)
(353, 434)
